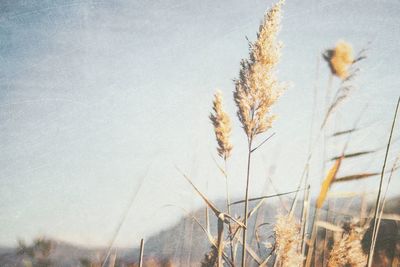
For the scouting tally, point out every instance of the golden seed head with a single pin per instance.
(257, 87)
(340, 59)
(347, 250)
(287, 241)
(222, 126)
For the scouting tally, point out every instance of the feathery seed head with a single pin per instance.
(347, 251)
(222, 126)
(340, 59)
(287, 235)
(257, 87)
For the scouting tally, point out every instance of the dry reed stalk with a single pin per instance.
(304, 219)
(330, 177)
(321, 198)
(341, 94)
(113, 258)
(220, 239)
(222, 128)
(305, 172)
(259, 216)
(288, 239)
(211, 205)
(207, 219)
(222, 218)
(394, 167)
(251, 252)
(327, 234)
(347, 70)
(257, 89)
(378, 198)
(306, 197)
(141, 253)
(228, 206)
(211, 240)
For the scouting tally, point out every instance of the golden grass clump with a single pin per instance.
(287, 241)
(340, 58)
(257, 88)
(222, 126)
(347, 250)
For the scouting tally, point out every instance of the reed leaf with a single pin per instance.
(329, 226)
(330, 177)
(355, 177)
(353, 155)
(265, 197)
(216, 211)
(339, 133)
(208, 234)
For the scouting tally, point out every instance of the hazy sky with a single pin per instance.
(100, 97)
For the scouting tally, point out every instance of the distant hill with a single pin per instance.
(63, 254)
(185, 244)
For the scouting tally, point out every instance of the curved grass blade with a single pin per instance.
(330, 177)
(265, 197)
(353, 155)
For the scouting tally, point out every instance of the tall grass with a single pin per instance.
(256, 91)
(345, 236)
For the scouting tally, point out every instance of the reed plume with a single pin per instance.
(347, 251)
(287, 241)
(222, 126)
(257, 87)
(340, 59)
(343, 65)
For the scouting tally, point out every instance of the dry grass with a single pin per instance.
(347, 249)
(287, 241)
(256, 90)
(257, 87)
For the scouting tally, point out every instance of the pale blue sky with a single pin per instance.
(96, 96)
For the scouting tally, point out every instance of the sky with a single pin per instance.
(102, 101)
